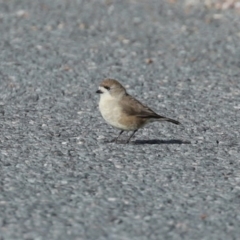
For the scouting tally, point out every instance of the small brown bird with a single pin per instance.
(124, 112)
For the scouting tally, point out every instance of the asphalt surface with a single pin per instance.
(61, 178)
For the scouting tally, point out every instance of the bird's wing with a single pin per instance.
(133, 107)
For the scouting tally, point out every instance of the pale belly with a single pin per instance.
(111, 113)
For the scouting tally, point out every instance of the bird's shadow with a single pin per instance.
(157, 141)
(152, 142)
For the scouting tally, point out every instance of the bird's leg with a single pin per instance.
(131, 135)
(118, 136)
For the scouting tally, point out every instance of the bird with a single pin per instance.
(123, 111)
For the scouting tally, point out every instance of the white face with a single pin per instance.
(103, 89)
(105, 92)
(113, 92)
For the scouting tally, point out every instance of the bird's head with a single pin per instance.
(111, 88)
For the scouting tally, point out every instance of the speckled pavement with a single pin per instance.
(61, 178)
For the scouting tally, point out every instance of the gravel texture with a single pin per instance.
(60, 178)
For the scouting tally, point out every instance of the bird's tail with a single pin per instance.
(173, 121)
(168, 120)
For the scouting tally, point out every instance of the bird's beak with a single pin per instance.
(99, 91)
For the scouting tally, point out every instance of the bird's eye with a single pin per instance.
(106, 87)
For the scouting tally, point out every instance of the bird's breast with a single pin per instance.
(111, 112)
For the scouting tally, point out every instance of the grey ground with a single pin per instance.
(60, 178)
